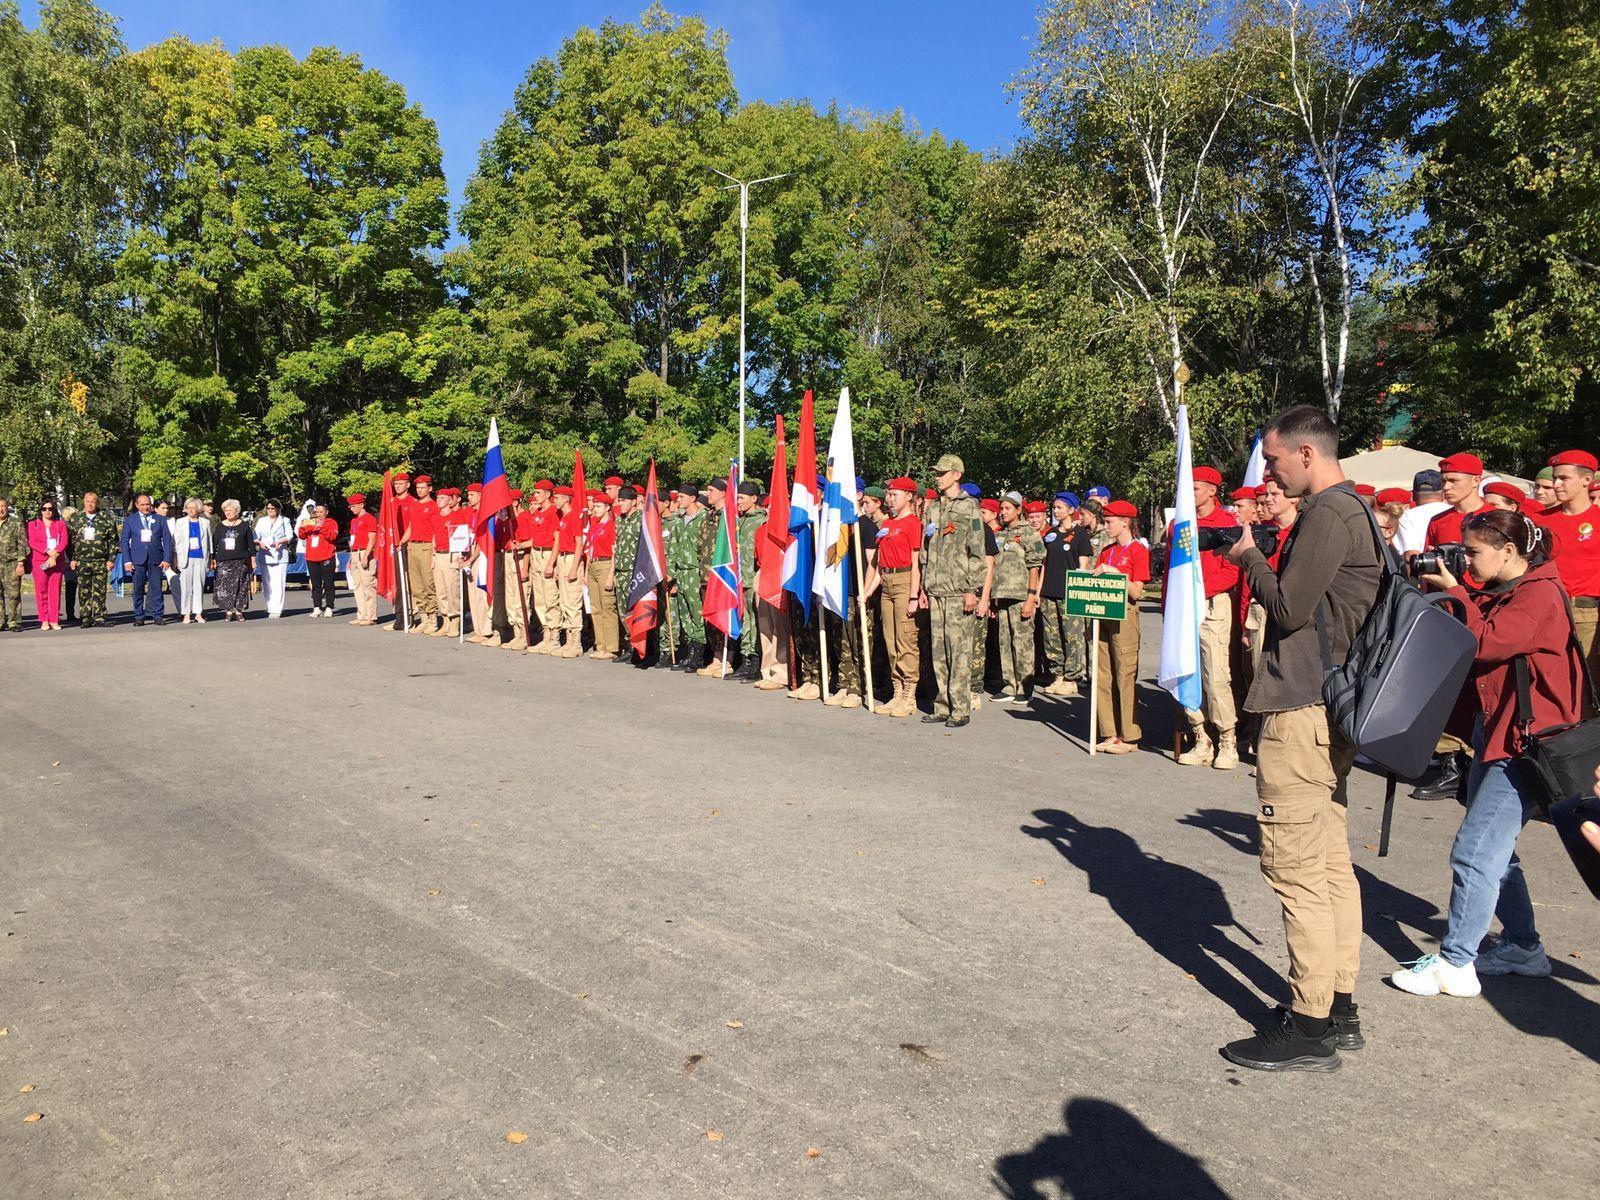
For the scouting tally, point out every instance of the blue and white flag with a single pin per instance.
(1255, 471)
(838, 513)
(1185, 602)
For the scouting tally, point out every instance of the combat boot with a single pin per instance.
(1201, 753)
(806, 691)
(846, 700)
(1063, 687)
(517, 643)
(1227, 755)
(572, 649)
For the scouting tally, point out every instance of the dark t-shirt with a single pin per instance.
(869, 538)
(1062, 553)
(244, 544)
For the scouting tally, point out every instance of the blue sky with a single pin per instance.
(944, 62)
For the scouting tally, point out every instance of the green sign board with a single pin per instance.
(1097, 597)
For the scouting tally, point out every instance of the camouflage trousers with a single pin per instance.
(952, 633)
(1064, 645)
(747, 635)
(844, 644)
(806, 650)
(91, 593)
(10, 597)
(978, 651)
(688, 627)
(1016, 647)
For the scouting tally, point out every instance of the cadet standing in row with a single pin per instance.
(13, 556)
(630, 516)
(751, 519)
(1016, 595)
(899, 569)
(94, 547)
(682, 536)
(1067, 547)
(954, 573)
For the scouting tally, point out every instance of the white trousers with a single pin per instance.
(192, 584)
(272, 583)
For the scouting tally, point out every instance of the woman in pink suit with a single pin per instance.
(47, 538)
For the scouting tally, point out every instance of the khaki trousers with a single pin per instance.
(1301, 768)
(1586, 625)
(546, 597)
(569, 595)
(419, 577)
(1216, 670)
(1117, 663)
(446, 585)
(516, 592)
(604, 605)
(478, 602)
(899, 629)
(772, 628)
(363, 583)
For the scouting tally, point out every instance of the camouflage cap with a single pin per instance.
(949, 462)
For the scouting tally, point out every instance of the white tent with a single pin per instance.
(1394, 466)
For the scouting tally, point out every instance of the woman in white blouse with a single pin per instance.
(275, 540)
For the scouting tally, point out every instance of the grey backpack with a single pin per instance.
(1394, 691)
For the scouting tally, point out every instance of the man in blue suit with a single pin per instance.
(147, 549)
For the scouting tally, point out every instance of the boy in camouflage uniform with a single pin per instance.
(13, 554)
(94, 549)
(751, 518)
(1016, 594)
(683, 564)
(630, 516)
(1064, 645)
(954, 591)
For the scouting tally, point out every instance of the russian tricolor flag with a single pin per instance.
(495, 499)
(799, 557)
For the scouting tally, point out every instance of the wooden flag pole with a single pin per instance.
(861, 608)
(822, 644)
(461, 619)
(1094, 682)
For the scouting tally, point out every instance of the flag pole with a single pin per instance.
(405, 590)
(461, 620)
(861, 609)
(1094, 684)
(822, 646)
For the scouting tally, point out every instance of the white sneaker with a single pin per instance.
(1508, 958)
(1431, 975)
(327, 612)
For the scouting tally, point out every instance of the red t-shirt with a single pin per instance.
(526, 527)
(898, 539)
(571, 532)
(363, 532)
(1133, 560)
(320, 540)
(603, 537)
(1575, 548)
(1220, 573)
(543, 526)
(418, 519)
(441, 537)
(1445, 529)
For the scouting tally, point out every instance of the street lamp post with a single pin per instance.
(744, 231)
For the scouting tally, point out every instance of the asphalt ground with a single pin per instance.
(299, 909)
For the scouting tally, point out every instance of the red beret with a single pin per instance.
(1508, 491)
(516, 493)
(930, 494)
(1531, 507)
(1208, 475)
(1034, 506)
(1575, 458)
(1462, 464)
(1120, 508)
(450, 491)
(903, 483)
(474, 487)
(989, 505)
(1393, 496)
(1366, 489)
(423, 479)
(544, 485)
(563, 490)
(400, 477)
(600, 498)
(1261, 492)
(1244, 493)
(356, 498)
(614, 481)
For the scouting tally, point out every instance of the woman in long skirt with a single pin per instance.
(236, 560)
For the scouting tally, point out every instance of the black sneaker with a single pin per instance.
(934, 719)
(1282, 1047)
(957, 722)
(1347, 1028)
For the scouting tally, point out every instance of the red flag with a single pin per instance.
(775, 533)
(387, 538)
(649, 571)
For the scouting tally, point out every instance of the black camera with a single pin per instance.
(1452, 556)
(1221, 538)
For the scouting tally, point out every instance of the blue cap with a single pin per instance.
(1070, 498)
(972, 490)
(861, 484)
(1099, 492)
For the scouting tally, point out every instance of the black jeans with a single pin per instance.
(321, 582)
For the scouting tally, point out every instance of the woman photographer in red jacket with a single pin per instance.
(1521, 612)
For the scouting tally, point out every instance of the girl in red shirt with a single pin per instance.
(319, 534)
(1519, 613)
(1117, 647)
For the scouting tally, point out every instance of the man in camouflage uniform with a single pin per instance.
(989, 511)
(13, 557)
(954, 568)
(630, 516)
(751, 518)
(94, 548)
(1018, 567)
(1064, 645)
(683, 565)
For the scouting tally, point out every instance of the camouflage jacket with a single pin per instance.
(1021, 550)
(706, 545)
(102, 548)
(627, 546)
(683, 550)
(13, 541)
(953, 559)
(748, 524)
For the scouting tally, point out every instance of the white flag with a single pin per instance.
(838, 513)
(1185, 601)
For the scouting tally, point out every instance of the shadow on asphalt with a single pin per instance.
(1104, 1153)
(1394, 919)
(1179, 913)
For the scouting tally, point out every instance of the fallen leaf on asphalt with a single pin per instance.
(3, 1032)
(923, 1054)
(713, 1135)
(57, 763)
(435, 891)
(1369, 847)
(1039, 882)
(475, 825)
(813, 1152)
(32, 1117)
(693, 1061)
(716, 812)
(583, 995)
(26, 1088)
(861, 853)
(1188, 976)
(735, 1024)
(516, 1137)
(1574, 954)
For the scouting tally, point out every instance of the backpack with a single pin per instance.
(1395, 690)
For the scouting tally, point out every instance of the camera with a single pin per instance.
(1452, 556)
(1265, 537)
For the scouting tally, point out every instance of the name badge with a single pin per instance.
(88, 533)
(315, 541)
(50, 544)
(194, 543)
(228, 542)
(144, 535)
(460, 539)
